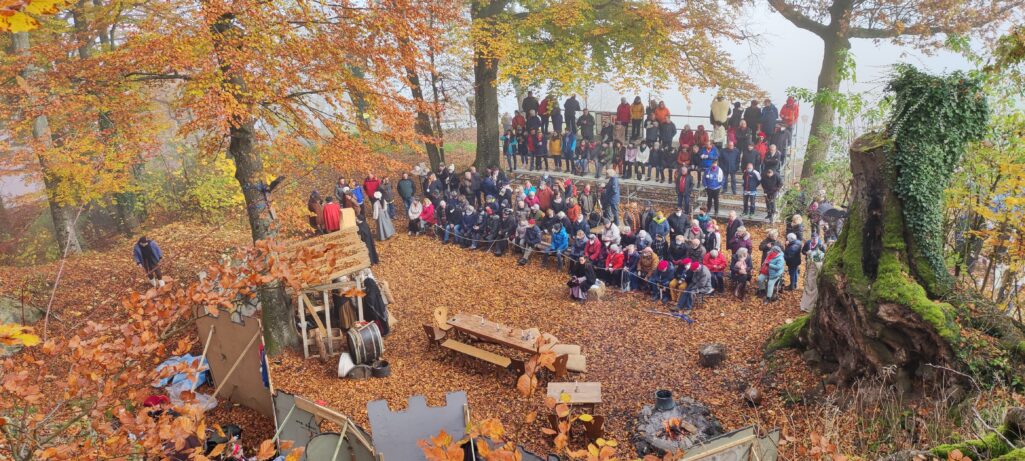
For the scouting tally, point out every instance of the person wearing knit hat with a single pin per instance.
(531, 242)
(700, 284)
(679, 279)
(659, 281)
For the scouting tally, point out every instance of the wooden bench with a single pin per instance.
(513, 365)
(477, 352)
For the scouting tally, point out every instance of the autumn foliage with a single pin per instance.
(79, 397)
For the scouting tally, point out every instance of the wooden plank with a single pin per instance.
(477, 352)
(330, 286)
(583, 393)
(323, 238)
(309, 308)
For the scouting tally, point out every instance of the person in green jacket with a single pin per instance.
(406, 190)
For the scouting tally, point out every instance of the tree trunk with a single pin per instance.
(872, 314)
(278, 328)
(485, 86)
(485, 73)
(64, 216)
(423, 125)
(821, 132)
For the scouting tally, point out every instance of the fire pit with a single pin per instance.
(668, 427)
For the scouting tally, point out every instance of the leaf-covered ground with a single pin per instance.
(631, 352)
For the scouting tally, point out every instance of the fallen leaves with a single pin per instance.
(631, 353)
(12, 334)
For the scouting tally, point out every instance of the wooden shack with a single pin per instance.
(341, 263)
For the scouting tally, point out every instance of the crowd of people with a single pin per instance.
(677, 258)
(640, 142)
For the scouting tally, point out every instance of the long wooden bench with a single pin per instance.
(477, 352)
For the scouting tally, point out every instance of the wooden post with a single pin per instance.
(302, 326)
(206, 347)
(327, 316)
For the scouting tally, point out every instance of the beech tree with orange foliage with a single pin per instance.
(280, 88)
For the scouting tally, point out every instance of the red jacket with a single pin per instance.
(332, 217)
(716, 264)
(519, 121)
(543, 108)
(701, 136)
(761, 148)
(544, 198)
(593, 250)
(614, 261)
(623, 114)
(370, 186)
(789, 112)
(687, 137)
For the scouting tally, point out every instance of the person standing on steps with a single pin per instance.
(713, 185)
(729, 161)
(612, 196)
(750, 183)
(147, 255)
(530, 103)
(586, 124)
(544, 110)
(571, 107)
(771, 185)
(636, 118)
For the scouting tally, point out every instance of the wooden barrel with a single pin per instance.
(365, 343)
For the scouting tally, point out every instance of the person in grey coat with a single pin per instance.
(385, 228)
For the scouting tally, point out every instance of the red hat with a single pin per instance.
(685, 262)
(695, 265)
(531, 222)
(487, 210)
(155, 400)
(663, 265)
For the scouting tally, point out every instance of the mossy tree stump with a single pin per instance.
(873, 312)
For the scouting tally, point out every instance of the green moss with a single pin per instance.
(990, 445)
(787, 336)
(857, 282)
(894, 284)
(1020, 348)
(1013, 455)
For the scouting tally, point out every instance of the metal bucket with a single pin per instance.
(664, 400)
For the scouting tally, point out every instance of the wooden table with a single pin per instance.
(584, 393)
(486, 330)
